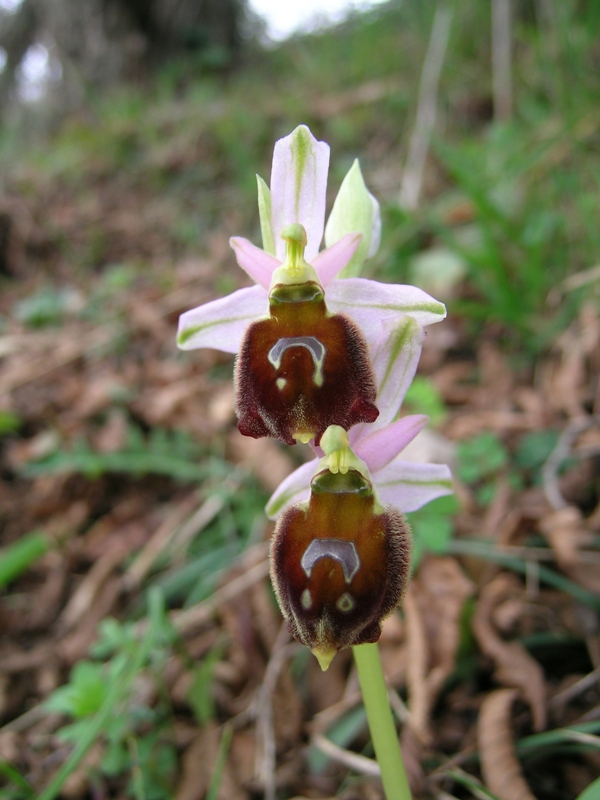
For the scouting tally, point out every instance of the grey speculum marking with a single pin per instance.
(313, 345)
(340, 550)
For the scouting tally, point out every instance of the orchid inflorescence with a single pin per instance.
(326, 357)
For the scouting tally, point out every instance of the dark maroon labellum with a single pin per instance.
(339, 566)
(302, 369)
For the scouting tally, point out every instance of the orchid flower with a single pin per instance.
(404, 484)
(340, 561)
(297, 196)
(340, 552)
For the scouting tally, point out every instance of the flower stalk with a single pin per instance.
(381, 722)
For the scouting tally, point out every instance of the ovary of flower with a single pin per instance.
(297, 196)
(403, 484)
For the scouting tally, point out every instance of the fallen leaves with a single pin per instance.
(499, 764)
(513, 664)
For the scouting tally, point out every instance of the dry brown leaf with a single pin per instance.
(565, 381)
(497, 510)
(473, 422)
(263, 457)
(412, 755)
(514, 666)
(416, 667)
(86, 593)
(437, 595)
(76, 644)
(567, 533)
(288, 716)
(499, 765)
(198, 763)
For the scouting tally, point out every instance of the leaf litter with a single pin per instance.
(484, 653)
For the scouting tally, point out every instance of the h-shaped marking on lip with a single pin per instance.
(313, 345)
(339, 549)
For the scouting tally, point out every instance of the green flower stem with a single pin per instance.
(381, 723)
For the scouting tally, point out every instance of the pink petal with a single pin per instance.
(408, 485)
(258, 264)
(334, 259)
(294, 489)
(298, 187)
(380, 447)
(221, 324)
(368, 302)
(395, 357)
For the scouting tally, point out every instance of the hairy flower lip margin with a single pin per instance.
(406, 485)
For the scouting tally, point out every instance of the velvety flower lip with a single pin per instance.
(297, 195)
(403, 484)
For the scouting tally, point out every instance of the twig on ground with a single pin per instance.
(266, 755)
(360, 764)
(161, 537)
(580, 686)
(412, 179)
(501, 60)
(193, 618)
(562, 450)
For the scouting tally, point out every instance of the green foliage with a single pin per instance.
(224, 744)
(161, 452)
(84, 694)
(102, 700)
(433, 527)
(483, 458)
(592, 792)
(200, 696)
(423, 397)
(18, 557)
(533, 450)
(480, 458)
(47, 306)
(519, 245)
(9, 422)
(240, 520)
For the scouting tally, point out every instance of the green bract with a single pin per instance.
(355, 210)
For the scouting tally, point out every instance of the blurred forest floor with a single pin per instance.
(143, 655)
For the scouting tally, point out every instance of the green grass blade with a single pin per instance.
(487, 551)
(592, 792)
(121, 684)
(215, 781)
(17, 557)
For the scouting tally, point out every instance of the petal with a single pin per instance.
(375, 227)
(335, 258)
(298, 186)
(408, 485)
(254, 261)
(367, 302)
(264, 212)
(294, 489)
(222, 323)
(395, 357)
(380, 447)
(355, 210)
